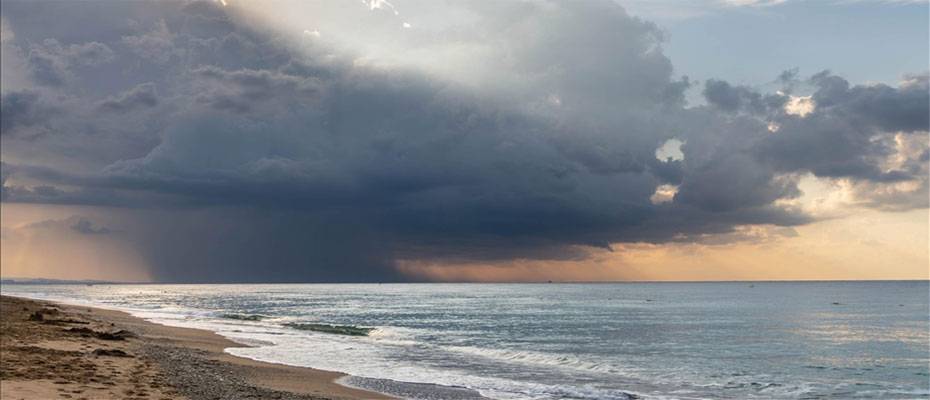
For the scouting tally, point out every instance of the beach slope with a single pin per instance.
(52, 351)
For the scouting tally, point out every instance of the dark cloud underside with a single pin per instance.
(261, 154)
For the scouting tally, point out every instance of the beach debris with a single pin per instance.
(64, 321)
(121, 334)
(81, 331)
(87, 332)
(111, 353)
(40, 314)
(51, 316)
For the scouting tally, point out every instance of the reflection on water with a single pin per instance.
(550, 341)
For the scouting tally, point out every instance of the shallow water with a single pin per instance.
(569, 341)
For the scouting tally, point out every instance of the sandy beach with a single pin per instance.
(57, 351)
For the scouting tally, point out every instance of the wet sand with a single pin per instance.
(56, 351)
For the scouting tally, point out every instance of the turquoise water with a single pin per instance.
(569, 341)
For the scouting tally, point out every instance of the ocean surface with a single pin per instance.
(768, 340)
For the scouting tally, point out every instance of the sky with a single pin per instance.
(410, 140)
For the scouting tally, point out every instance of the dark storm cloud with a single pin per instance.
(880, 106)
(843, 137)
(269, 156)
(23, 113)
(735, 98)
(250, 245)
(734, 182)
(730, 98)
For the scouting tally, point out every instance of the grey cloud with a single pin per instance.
(734, 182)
(892, 199)
(87, 227)
(74, 224)
(789, 78)
(841, 137)
(46, 69)
(23, 113)
(49, 194)
(667, 171)
(50, 62)
(141, 96)
(741, 98)
(730, 98)
(285, 158)
(88, 54)
(156, 45)
(242, 90)
(904, 108)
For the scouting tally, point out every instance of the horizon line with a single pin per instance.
(23, 280)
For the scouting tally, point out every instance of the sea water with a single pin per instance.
(566, 341)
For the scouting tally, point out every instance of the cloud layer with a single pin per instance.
(256, 151)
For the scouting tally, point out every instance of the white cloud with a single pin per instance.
(664, 194)
(800, 105)
(381, 5)
(670, 149)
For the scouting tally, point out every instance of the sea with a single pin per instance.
(732, 340)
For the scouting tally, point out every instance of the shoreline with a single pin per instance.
(58, 350)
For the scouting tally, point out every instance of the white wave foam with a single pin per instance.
(540, 359)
